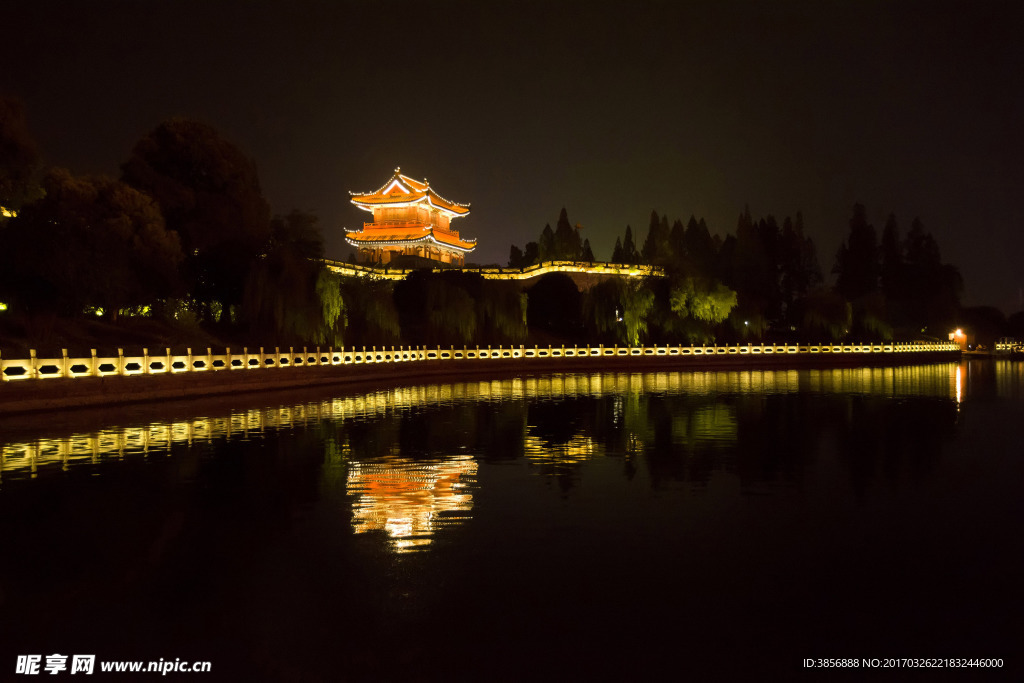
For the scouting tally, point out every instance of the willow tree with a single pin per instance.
(710, 303)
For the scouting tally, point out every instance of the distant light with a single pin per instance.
(3, 306)
(746, 322)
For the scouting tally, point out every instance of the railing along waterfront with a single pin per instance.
(35, 368)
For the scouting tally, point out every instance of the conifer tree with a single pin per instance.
(617, 256)
(588, 253)
(566, 239)
(629, 252)
(546, 244)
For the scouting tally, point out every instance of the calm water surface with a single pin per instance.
(720, 525)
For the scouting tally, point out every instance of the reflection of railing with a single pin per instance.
(33, 368)
(28, 455)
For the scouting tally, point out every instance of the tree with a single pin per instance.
(91, 241)
(620, 310)
(657, 249)
(629, 252)
(209, 193)
(588, 253)
(617, 256)
(892, 260)
(826, 313)
(288, 293)
(566, 239)
(857, 261)
(438, 308)
(371, 317)
(531, 254)
(636, 301)
(799, 270)
(700, 249)
(19, 158)
(753, 270)
(708, 303)
(501, 312)
(515, 257)
(931, 288)
(546, 244)
(677, 243)
(554, 305)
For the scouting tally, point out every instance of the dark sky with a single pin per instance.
(608, 109)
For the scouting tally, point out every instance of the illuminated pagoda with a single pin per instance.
(410, 222)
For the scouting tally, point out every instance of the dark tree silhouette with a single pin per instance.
(657, 249)
(89, 242)
(567, 239)
(19, 158)
(546, 247)
(588, 253)
(515, 257)
(629, 252)
(554, 305)
(209, 192)
(288, 294)
(857, 266)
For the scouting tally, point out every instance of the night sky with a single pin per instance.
(608, 109)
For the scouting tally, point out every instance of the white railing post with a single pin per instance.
(120, 362)
(64, 365)
(188, 360)
(145, 360)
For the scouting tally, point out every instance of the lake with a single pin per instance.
(702, 525)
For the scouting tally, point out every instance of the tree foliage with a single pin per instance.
(19, 157)
(554, 305)
(209, 193)
(857, 267)
(708, 303)
(91, 241)
(371, 316)
(286, 285)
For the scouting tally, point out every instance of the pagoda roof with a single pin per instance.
(401, 190)
(400, 236)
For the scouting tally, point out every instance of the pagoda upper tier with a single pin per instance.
(409, 219)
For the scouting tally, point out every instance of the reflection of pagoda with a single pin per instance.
(410, 221)
(406, 498)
